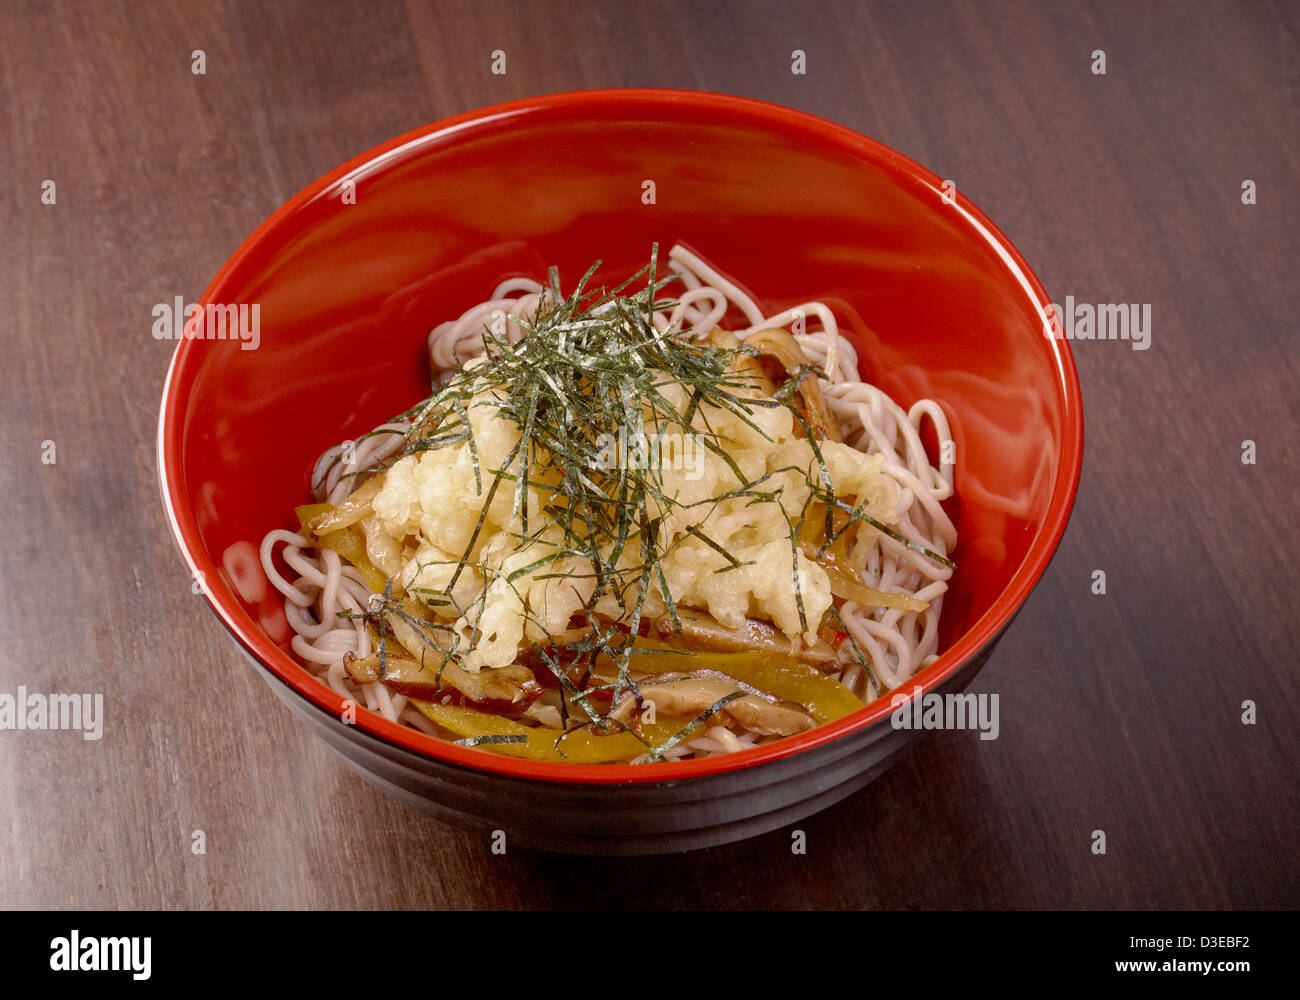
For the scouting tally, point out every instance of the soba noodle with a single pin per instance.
(894, 641)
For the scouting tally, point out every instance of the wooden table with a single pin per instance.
(1120, 712)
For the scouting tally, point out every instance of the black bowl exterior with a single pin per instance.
(623, 819)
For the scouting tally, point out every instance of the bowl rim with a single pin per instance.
(786, 121)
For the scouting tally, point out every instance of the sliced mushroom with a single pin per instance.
(692, 693)
(546, 715)
(785, 349)
(423, 666)
(703, 633)
(746, 364)
(506, 690)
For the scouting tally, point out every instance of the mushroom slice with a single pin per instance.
(689, 694)
(508, 690)
(744, 362)
(786, 350)
(704, 633)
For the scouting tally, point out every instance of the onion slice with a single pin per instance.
(785, 349)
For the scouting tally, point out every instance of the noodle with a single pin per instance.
(895, 642)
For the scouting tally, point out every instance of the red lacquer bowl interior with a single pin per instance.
(795, 208)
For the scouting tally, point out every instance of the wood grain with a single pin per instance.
(1118, 712)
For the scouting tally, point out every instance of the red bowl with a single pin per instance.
(935, 298)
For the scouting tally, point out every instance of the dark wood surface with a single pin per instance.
(1119, 712)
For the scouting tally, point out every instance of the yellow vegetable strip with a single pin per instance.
(353, 509)
(578, 746)
(825, 698)
(348, 542)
